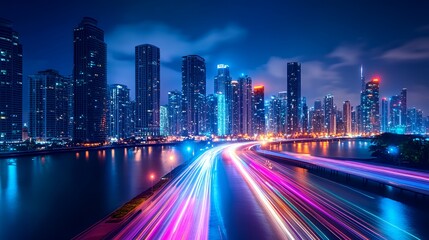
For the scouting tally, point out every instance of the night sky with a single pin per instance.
(330, 38)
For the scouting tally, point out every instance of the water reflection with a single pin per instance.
(345, 148)
(90, 183)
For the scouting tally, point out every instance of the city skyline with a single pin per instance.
(332, 63)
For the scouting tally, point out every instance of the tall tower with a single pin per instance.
(293, 96)
(328, 113)
(193, 94)
(361, 110)
(223, 85)
(147, 89)
(384, 111)
(175, 112)
(258, 110)
(403, 106)
(119, 111)
(371, 114)
(49, 105)
(11, 83)
(90, 82)
(245, 105)
(347, 118)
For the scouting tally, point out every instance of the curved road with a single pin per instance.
(230, 192)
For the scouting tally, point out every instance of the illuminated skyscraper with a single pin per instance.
(147, 67)
(235, 108)
(193, 94)
(304, 115)
(49, 105)
(371, 111)
(403, 106)
(221, 123)
(11, 83)
(317, 120)
(328, 114)
(347, 118)
(212, 113)
(90, 82)
(244, 105)
(175, 113)
(384, 118)
(119, 111)
(258, 110)
(274, 116)
(283, 111)
(293, 96)
(163, 121)
(223, 85)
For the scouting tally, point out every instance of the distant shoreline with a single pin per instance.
(78, 149)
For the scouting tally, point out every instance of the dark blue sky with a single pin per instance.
(330, 38)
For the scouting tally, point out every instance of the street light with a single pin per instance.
(151, 178)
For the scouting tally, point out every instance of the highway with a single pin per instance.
(231, 192)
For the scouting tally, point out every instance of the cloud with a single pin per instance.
(174, 44)
(417, 49)
(317, 79)
(348, 55)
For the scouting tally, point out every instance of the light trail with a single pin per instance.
(181, 210)
(306, 209)
(407, 179)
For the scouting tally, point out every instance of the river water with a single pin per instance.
(59, 195)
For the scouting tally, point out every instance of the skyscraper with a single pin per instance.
(347, 118)
(147, 66)
(11, 83)
(235, 108)
(283, 110)
(163, 121)
(49, 105)
(317, 121)
(328, 113)
(175, 113)
(403, 107)
(90, 82)
(293, 96)
(371, 111)
(304, 115)
(274, 116)
(193, 94)
(361, 109)
(223, 85)
(212, 113)
(244, 105)
(258, 110)
(384, 112)
(119, 111)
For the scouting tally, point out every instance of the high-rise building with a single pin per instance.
(328, 112)
(317, 120)
(193, 94)
(258, 110)
(221, 123)
(223, 85)
(90, 82)
(11, 83)
(371, 111)
(212, 113)
(163, 121)
(235, 108)
(274, 116)
(304, 115)
(283, 111)
(347, 118)
(354, 121)
(119, 111)
(147, 67)
(395, 113)
(403, 106)
(415, 121)
(293, 96)
(132, 118)
(244, 105)
(384, 113)
(361, 109)
(175, 113)
(49, 105)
